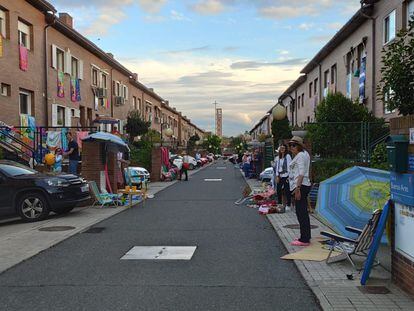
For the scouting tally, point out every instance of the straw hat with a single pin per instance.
(297, 140)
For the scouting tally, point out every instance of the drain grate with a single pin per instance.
(296, 226)
(56, 228)
(374, 290)
(95, 230)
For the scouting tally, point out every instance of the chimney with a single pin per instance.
(167, 103)
(135, 76)
(110, 55)
(66, 19)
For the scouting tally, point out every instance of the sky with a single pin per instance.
(241, 53)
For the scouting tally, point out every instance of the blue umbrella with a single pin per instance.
(106, 137)
(350, 197)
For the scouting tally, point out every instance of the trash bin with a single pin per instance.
(397, 152)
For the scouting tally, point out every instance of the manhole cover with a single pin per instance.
(94, 230)
(374, 290)
(57, 228)
(160, 253)
(296, 226)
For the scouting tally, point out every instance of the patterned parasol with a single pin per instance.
(350, 197)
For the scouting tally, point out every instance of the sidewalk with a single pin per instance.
(20, 241)
(329, 282)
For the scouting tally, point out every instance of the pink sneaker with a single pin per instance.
(299, 243)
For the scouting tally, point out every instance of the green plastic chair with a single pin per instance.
(103, 199)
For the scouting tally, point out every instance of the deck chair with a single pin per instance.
(103, 199)
(350, 247)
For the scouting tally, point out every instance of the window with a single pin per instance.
(24, 32)
(3, 23)
(389, 27)
(117, 89)
(60, 116)
(134, 103)
(410, 11)
(60, 60)
(303, 99)
(104, 81)
(333, 74)
(25, 102)
(310, 89)
(94, 76)
(125, 92)
(5, 89)
(326, 79)
(75, 67)
(315, 86)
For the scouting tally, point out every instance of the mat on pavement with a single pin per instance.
(314, 252)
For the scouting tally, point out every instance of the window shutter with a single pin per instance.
(68, 117)
(54, 60)
(54, 115)
(68, 62)
(80, 69)
(126, 93)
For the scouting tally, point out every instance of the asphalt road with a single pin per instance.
(236, 266)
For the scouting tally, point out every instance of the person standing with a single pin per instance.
(185, 167)
(300, 186)
(282, 164)
(73, 153)
(57, 167)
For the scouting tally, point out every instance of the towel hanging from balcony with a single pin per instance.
(23, 58)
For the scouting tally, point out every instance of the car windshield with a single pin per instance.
(16, 170)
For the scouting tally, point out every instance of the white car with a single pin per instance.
(267, 174)
(178, 161)
(136, 174)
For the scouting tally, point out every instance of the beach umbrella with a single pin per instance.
(107, 137)
(350, 197)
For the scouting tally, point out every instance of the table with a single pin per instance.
(131, 192)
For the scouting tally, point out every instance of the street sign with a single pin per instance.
(402, 188)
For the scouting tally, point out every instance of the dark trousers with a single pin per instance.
(185, 172)
(283, 185)
(303, 215)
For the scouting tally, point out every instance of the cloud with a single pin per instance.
(190, 50)
(306, 26)
(208, 7)
(254, 64)
(334, 26)
(151, 6)
(286, 12)
(321, 38)
(177, 16)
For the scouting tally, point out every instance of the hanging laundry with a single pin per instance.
(53, 139)
(1, 45)
(96, 103)
(78, 91)
(64, 139)
(362, 78)
(60, 84)
(80, 136)
(73, 89)
(32, 126)
(23, 58)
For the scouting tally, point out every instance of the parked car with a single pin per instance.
(204, 161)
(267, 174)
(210, 157)
(33, 195)
(178, 160)
(137, 175)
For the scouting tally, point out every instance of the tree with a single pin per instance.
(339, 125)
(192, 142)
(212, 144)
(281, 130)
(396, 87)
(136, 126)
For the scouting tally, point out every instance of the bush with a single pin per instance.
(141, 154)
(281, 130)
(379, 157)
(326, 168)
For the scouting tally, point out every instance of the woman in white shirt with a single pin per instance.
(300, 186)
(282, 163)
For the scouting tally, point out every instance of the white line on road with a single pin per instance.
(213, 179)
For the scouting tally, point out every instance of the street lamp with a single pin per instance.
(167, 132)
(279, 111)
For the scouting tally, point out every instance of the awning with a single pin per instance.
(106, 120)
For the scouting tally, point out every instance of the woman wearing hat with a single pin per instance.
(300, 186)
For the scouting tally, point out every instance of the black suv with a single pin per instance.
(33, 195)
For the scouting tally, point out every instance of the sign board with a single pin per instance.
(402, 188)
(404, 230)
(411, 136)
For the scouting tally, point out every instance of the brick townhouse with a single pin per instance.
(83, 82)
(350, 62)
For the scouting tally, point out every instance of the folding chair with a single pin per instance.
(357, 247)
(103, 199)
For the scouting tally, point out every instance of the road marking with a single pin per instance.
(213, 179)
(160, 253)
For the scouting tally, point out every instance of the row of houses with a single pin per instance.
(51, 72)
(349, 63)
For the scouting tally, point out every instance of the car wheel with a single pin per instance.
(64, 210)
(32, 207)
(191, 166)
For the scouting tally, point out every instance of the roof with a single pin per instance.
(42, 5)
(355, 22)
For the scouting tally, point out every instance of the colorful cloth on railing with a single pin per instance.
(73, 89)
(64, 139)
(78, 91)
(60, 84)
(23, 58)
(53, 139)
